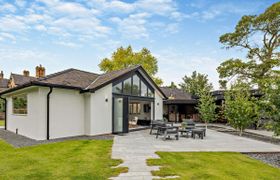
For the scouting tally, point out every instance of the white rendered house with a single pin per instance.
(74, 102)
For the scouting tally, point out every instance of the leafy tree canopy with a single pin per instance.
(172, 85)
(240, 108)
(126, 57)
(207, 107)
(196, 83)
(262, 57)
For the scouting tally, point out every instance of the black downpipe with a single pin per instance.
(48, 113)
(5, 100)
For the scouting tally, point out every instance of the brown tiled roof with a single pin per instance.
(71, 77)
(105, 78)
(21, 79)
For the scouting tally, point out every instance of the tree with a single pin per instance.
(206, 107)
(196, 83)
(262, 58)
(2, 105)
(172, 85)
(125, 57)
(240, 108)
(271, 106)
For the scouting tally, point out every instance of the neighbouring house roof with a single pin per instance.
(178, 96)
(21, 79)
(3, 84)
(77, 79)
(219, 94)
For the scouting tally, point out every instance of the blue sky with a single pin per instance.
(58, 34)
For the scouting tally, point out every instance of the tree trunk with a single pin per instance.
(206, 124)
(240, 132)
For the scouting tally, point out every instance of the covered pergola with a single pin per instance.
(179, 105)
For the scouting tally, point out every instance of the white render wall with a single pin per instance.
(158, 106)
(101, 111)
(67, 115)
(32, 125)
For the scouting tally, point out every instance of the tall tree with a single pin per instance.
(172, 85)
(126, 57)
(206, 107)
(262, 57)
(240, 108)
(196, 83)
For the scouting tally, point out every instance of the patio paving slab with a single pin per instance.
(136, 147)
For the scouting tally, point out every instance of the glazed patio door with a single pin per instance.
(120, 115)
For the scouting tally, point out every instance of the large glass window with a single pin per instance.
(144, 89)
(127, 86)
(118, 88)
(134, 108)
(20, 104)
(133, 86)
(136, 86)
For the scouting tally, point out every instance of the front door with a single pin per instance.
(120, 115)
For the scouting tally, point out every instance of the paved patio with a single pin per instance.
(136, 147)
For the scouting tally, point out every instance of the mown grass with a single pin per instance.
(85, 159)
(212, 165)
(2, 123)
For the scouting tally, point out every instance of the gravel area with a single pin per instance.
(22, 141)
(269, 158)
(247, 135)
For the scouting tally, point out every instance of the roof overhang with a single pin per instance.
(180, 101)
(36, 83)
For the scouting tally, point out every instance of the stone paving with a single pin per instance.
(136, 147)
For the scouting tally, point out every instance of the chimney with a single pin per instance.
(26, 73)
(1, 75)
(40, 71)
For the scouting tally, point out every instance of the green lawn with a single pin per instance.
(2, 123)
(85, 159)
(213, 165)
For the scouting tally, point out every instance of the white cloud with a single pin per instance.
(67, 44)
(161, 7)
(40, 27)
(7, 8)
(78, 20)
(206, 11)
(8, 36)
(72, 9)
(133, 26)
(12, 24)
(82, 25)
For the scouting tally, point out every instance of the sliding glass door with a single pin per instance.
(120, 115)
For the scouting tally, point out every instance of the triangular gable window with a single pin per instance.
(135, 86)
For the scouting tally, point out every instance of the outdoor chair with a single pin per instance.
(188, 126)
(166, 131)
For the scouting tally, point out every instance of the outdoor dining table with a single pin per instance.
(167, 130)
